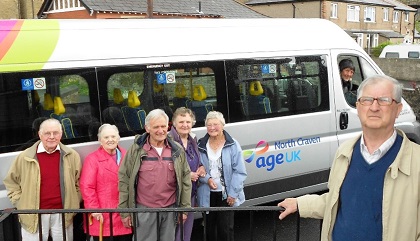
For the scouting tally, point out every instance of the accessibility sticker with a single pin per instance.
(33, 84)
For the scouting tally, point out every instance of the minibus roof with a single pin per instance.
(45, 44)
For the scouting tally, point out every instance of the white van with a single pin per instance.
(411, 51)
(276, 81)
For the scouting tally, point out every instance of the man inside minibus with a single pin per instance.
(346, 74)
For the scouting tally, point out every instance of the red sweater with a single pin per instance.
(50, 195)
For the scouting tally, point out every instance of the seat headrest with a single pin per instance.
(199, 93)
(255, 88)
(180, 90)
(133, 100)
(48, 102)
(36, 97)
(157, 87)
(118, 98)
(58, 106)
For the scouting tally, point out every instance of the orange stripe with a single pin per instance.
(10, 38)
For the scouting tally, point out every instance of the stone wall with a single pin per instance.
(405, 70)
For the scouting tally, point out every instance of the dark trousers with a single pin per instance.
(127, 237)
(219, 224)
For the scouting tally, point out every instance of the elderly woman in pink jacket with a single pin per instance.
(99, 185)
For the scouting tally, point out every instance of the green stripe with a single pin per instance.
(33, 46)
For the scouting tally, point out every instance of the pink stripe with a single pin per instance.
(5, 27)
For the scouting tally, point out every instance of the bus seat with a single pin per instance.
(48, 102)
(67, 128)
(157, 88)
(180, 99)
(134, 118)
(36, 97)
(114, 116)
(304, 94)
(244, 104)
(255, 88)
(118, 98)
(59, 108)
(257, 102)
(133, 100)
(180, 90)
(199, 104)
(199, 93)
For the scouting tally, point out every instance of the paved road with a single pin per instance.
(264, 222)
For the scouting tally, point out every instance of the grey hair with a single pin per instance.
(215, 115)
(155, 114)
(106, 126)
(397, 87)
(183, 111)
(50, 121)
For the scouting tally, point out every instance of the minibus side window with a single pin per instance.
(277, 87)
(413, 54)
(29, 98)
(133, 94)
(392, 55)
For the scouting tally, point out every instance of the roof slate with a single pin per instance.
(390, 3)
(223, 8)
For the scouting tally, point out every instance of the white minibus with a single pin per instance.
(403, 51)
(276, 81)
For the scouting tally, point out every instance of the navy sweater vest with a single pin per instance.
(359, 216)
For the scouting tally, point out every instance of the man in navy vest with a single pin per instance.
(374, 180)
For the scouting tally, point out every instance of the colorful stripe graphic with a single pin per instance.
(26, 44)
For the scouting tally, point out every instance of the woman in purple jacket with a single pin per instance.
(99, 185)
(183, 120)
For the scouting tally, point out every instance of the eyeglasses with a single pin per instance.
(383, 101)
(54, 133)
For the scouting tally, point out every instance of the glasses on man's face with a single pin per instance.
(383, 101)
(53, 133)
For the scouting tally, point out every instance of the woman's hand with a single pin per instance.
(212, 183)
(201, 171)
(98, 216)
(231, 201)
(194, 176)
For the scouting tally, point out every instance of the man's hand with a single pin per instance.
(127, 222)
(290, 206)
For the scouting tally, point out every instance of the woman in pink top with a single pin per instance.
(99, 185)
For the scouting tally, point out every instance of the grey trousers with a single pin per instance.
(148, 229)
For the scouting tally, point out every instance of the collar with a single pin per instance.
(380, 152)
(41, 148)
(148, 147)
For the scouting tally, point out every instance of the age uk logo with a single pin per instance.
(251, 154)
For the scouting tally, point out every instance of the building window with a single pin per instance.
(406, 15)
(395, 16)
(370, 14)
(353, 13)
(386, 14)
(334, 10)
(65, 4)
(375, 41)
(359, 39)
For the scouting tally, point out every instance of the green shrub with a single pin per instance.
(376, 51)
